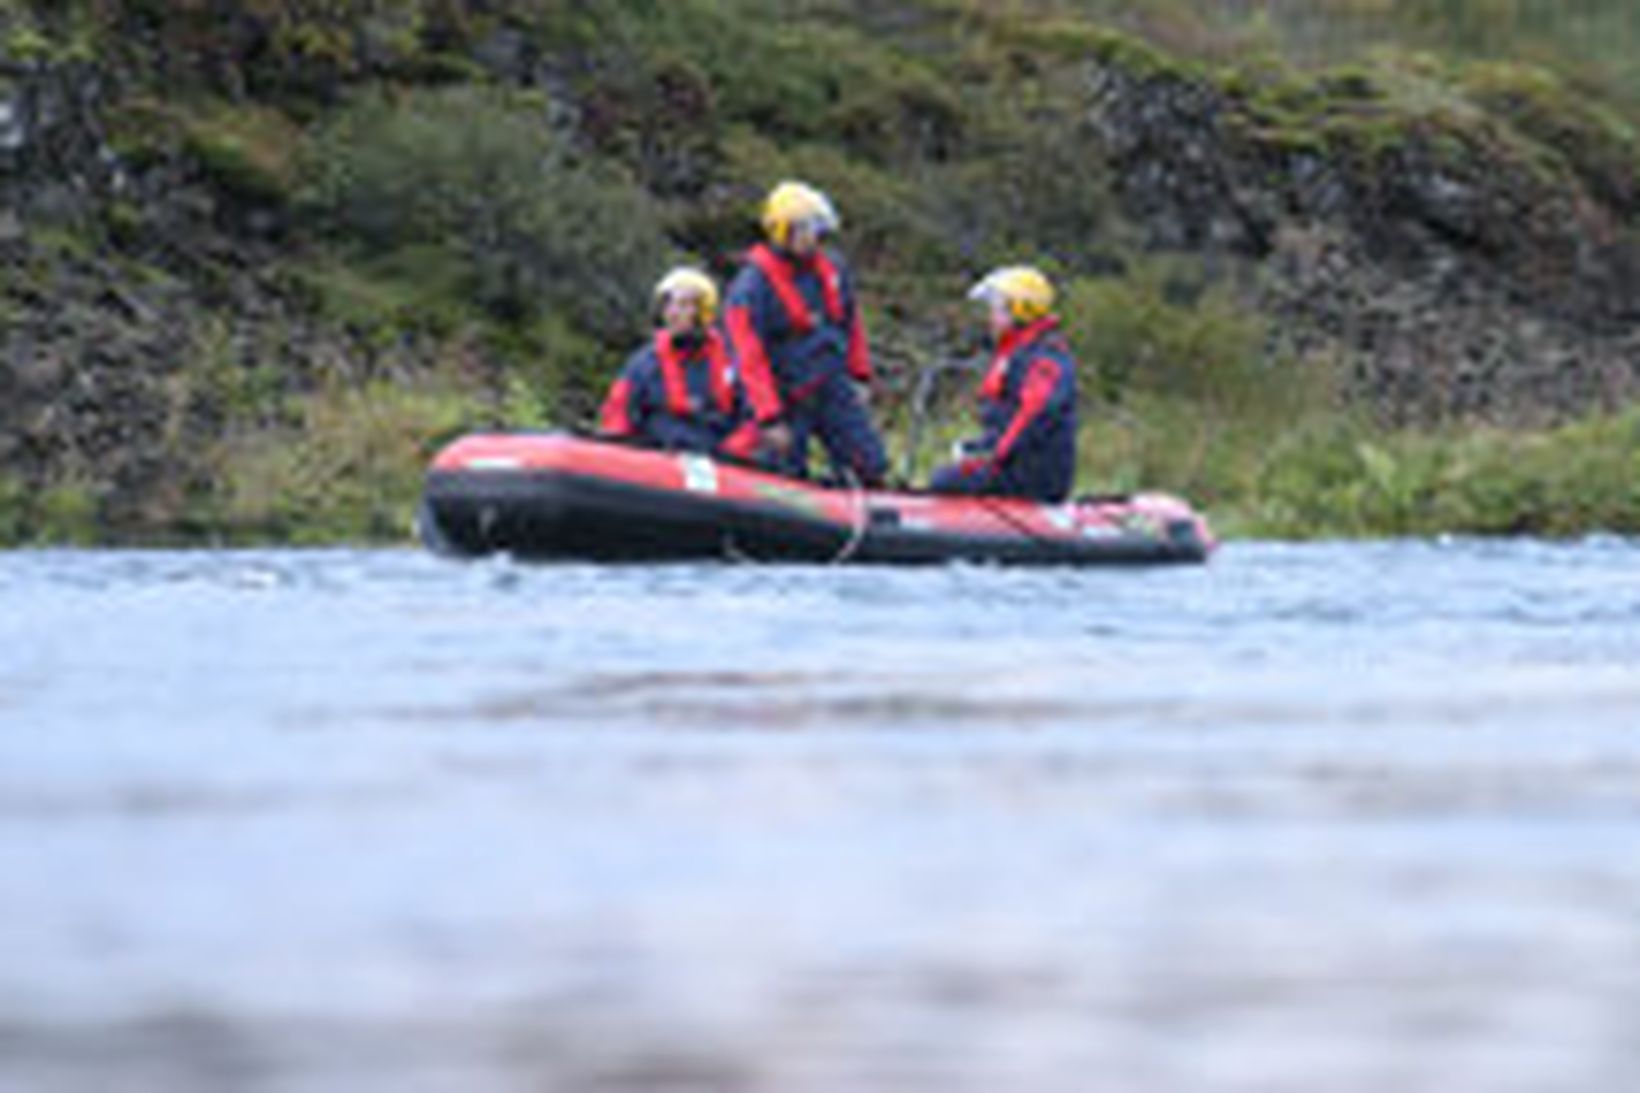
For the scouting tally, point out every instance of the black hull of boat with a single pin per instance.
(543, 515)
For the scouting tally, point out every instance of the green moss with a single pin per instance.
(440, 67)
(1476, 121)
(250, 153)
(62, 242)
(48, 35)
(123, 221)
(1598, 144)
(1358, 112)
(382, 299)
(1073, 38)
(25, 43)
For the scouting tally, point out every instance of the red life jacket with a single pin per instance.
(1012, 341)
(676, 383)
(782, 277)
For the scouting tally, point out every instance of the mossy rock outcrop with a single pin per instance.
(1472, 252)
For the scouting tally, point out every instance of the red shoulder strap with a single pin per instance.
(1012, 341)
(830, 284)
(672, 377)
(783, 279)
(676, 381)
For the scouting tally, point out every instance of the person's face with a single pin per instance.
(680, 311)
(803, 238)
(997, 317)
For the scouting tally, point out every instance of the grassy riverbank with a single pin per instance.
(353, 476)
(1340, 478)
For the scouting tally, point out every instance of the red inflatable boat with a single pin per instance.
(560, 496)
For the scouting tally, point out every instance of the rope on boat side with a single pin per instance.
(857, 531)
(862, 518)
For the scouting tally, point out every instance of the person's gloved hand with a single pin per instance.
(975, 466)
(777, 438)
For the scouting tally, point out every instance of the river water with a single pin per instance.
(1316, 818)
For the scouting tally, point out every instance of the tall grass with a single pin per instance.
(349, 468)
(1343, 479)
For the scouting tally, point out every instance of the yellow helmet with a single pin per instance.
(792, 203)
(691, 281)
(1025, 290)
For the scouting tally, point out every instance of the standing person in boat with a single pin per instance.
(795, 324)
(1027, 401)
(681, 391)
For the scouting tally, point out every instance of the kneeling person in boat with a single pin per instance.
(681, 391)
(1027, 400)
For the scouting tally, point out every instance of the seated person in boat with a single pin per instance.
(1027, 401)
(681, 391)
(795, 323)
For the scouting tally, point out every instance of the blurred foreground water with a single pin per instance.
(1310, 818)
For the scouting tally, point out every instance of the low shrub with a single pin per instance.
(14, 522)
(1169, 329)
(58, 513)
(476, 171)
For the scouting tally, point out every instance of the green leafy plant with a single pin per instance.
(476, 172)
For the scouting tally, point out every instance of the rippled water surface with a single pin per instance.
(1309, 818)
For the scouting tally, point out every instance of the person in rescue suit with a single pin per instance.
(1027, 400)
(794, 321)
(681, 391)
